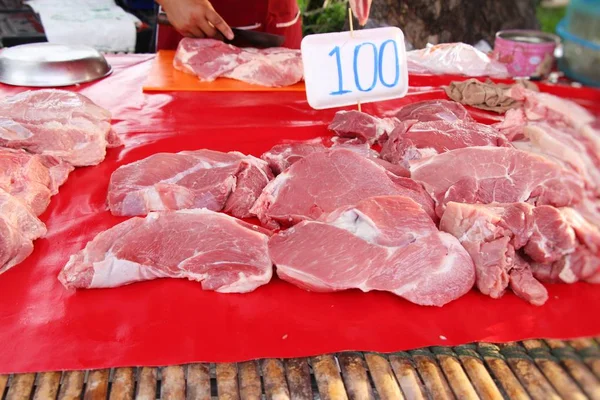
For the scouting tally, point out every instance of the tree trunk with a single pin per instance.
(443, 21)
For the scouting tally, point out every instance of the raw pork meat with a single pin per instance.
(383, 243)
(59, 123)
(454, 59)
(360, 125)
(32, 178)
(224, 254)
(562, 146)
(434, 110)
(18, 228)
(210, 59)
(322, 182)
(281, 156)
(189, 179)
(492, 233)
(422, 139)
(496, 174)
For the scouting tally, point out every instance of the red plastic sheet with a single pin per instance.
(45, 327)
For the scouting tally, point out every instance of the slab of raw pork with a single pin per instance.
(190, 179)
(492, 234)
(564, 146)
(19, 227)
(581, 264)
(360, 125)
(59, 123)
(322, 182)
(496, 174)
(210, 59)
(434, 110)
(412, 141)
(32, 178)
(224, 254)
(281, 156)
(383, 243)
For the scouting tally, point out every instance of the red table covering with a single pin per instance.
(45, 327)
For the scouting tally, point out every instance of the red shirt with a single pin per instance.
(281, 17)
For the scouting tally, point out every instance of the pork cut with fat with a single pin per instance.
(281, 156)
(496, 174)
(210, 59)
(493, 233)
(324, 181)
(32, 178)
(224, 254)
(412, 141)
(434, 110)
(19, 227)
(382, 243)
(360, 125)
(58, 123)
(190, 179)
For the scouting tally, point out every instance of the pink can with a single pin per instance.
(526, 53)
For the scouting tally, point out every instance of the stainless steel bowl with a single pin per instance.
(51, 65)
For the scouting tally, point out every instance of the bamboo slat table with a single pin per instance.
(532, 369)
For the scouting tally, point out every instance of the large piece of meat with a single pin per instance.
(210, 59)
(413, 141)
(492, 234)
(434, 110)
(32, 178)
(324, 181)
(190, 179)
(19, 227)
(382, 243)
(362, 126)
(224, 254)
(58, 123)
(496, 174)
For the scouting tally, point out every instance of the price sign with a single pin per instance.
(345, 68)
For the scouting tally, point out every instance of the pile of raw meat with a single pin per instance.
(209, 59)
(445, 205)
(44, 134)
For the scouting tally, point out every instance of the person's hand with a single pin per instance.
(196, 18)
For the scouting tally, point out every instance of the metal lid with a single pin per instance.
(527, 36)
(51, 65)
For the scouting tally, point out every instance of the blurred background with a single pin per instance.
(130, 25)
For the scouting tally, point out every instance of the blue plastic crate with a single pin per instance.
(581, 58)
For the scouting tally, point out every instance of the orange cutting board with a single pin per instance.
(164, 78)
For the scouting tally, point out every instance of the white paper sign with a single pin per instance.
(342, 69)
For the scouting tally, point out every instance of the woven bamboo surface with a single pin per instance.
(532, 369)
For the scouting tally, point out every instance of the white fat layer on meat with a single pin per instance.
(199, 166)
(261, 165)
(275, 185)
(566, 274)
(246, 283)
(384, 125)
(308, 279)
(11, 130)
(113, 271)
(358, 224)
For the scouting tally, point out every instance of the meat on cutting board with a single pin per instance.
(362, 126)
(434, 110)
(32, 178)
(59, 123)
(324, 181)
(383, 243)
(190, 179)
(210, 59)
(223, 253)
(19, 227)
(496, 174)
(415, 140)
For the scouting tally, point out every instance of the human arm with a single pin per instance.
(195, 18)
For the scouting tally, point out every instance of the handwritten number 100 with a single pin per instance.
(377, 67)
